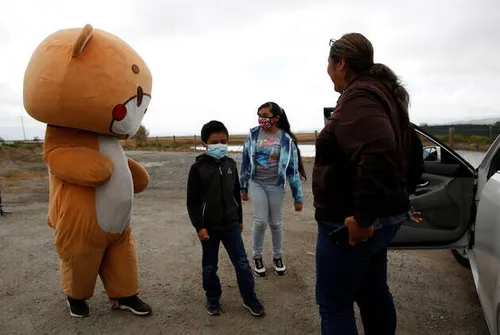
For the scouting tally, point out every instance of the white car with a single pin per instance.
(460, 206)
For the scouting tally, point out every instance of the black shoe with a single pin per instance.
(78, 308)
(259, 268)
(134, 304)
(279, 266)
(254, 307)
(213, 308)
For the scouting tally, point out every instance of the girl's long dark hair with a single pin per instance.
(284, 125)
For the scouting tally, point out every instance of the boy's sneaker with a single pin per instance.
(213, 308)
(78, 308)
(259, 268)
(279, 266)
(133, 304)
(254, 307)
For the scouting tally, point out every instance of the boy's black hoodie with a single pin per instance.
(213, 194)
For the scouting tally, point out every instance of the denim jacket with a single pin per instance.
(288, 164)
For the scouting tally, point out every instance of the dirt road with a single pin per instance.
(434, 294)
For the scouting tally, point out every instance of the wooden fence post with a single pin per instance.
(451, 132)
(175, 146)
(195, 142)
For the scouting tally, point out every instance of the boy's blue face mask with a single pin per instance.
(217, 151)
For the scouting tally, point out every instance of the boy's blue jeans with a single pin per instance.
(233, 243)
(346, 274)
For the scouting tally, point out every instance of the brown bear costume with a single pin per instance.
(91, 89)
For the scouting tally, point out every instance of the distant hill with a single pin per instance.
(491, 120)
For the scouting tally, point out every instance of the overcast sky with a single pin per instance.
(221, 59)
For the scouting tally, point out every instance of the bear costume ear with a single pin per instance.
(82, 40)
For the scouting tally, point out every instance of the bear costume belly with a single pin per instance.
(114, 199)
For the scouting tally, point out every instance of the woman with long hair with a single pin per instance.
(360, 186)
(271, 157)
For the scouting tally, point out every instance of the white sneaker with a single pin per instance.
(279, 266)
(259, 268)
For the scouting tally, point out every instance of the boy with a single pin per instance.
(214, 207)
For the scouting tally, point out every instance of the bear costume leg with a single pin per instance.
(120, 276)
(79, 274)
(118, 271)
(78, 277)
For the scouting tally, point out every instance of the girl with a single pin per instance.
(270, 157)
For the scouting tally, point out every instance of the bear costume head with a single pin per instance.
(87, 79)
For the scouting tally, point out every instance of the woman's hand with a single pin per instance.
(244, 196)
(298, 207)
(356, 233)
(203, 235)
(416, 217)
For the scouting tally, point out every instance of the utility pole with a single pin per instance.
(24, 132)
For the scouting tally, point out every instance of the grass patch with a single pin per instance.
(19, 154)
(468, 142)
(16, 175)
(31, 146)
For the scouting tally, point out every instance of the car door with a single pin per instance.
(484, 254)
(460, 206)
(445, 197)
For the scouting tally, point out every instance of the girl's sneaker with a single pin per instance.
(259, 268)
(279, 266)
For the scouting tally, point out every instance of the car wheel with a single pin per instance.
(461, 256)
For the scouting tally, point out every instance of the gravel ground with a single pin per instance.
(433, 293)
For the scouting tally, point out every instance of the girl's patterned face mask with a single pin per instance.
(265, 122)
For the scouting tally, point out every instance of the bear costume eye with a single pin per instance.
(140, 96)
(135, 68)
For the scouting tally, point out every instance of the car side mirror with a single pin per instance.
(432, 154)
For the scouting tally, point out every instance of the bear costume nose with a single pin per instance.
(119, 112)
(140, 96)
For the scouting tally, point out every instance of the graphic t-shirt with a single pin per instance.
(267, 156)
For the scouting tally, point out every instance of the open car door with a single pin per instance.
(445, 197)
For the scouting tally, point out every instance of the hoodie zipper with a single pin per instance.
(222, 194)
(203, 207)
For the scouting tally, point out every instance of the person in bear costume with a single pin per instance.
(91, 89)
